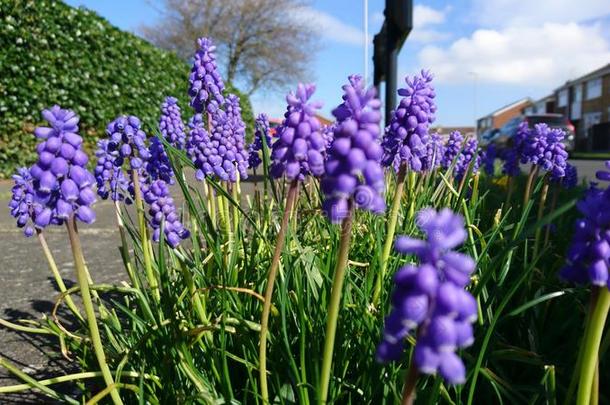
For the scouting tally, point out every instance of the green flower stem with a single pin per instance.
(528, 185)
(408, 392)
(150, 275)
(235, 193)
(333, 305)
(124, 246)
(392, 220)
(591, 344)
(275, 263)
(555, 194)
(89, 311)
(209, 191)
(195, 297)
(412, 193)
(544, 193)
(60, 282)
(72, 377)
(575, 373)
(475, 189)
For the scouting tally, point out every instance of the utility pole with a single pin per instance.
(366, 42)
(388, 42)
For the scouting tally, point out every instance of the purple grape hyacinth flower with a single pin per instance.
(353, 169)
(126, 136)
(22, 200)
(429, 301)
(543, 147)
(162, 210)
(111, 180)
(170, 123)
(569, 180)
(222, 153)
(453, 148)
(510, 162)
(469, 154)
(158, 165)
(205, 83)
(407, 133)
(488, 158)
(298, 151)
(198, 147)
(61, 183)
(589, 252)
(435, 151)
(261, 134)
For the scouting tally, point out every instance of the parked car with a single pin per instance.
(508, 131)
(489, 136)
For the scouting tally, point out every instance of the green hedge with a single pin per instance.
(51, 53)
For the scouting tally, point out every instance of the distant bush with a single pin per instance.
(55, 54)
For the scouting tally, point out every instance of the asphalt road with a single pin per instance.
(27, 289)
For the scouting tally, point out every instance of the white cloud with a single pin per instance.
(543, 55)
(492, 13)
(423, 18)
(330, 27)
(424, 15)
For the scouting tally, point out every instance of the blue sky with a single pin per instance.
(484, 53)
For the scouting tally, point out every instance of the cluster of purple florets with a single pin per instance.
(22, 200)
(407, 134)
(467, 157)
(543, 147)
(298, 151)
(222, 153)
(205, 83)
(570, 180)
(126, 136)
(353, 170)
(127, 142)
(111, 180)
(435, 149)
(429, 300)
(453, 148)
(170, 123)
(162, 210)
(488, 158)
(158, 165)
(261, 134)
(588, 256)
(60, 182)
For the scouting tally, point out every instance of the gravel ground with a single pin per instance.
(27, 289)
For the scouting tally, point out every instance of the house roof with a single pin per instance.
(442, 130)
(514, 104)
(602, 71)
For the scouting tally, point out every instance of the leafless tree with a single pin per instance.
(261, 44)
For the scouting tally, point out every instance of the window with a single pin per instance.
(563, 98)
(576, 108)
(590, 119)
(594, 88)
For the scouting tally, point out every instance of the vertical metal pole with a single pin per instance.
(366, 42)
(390, 76)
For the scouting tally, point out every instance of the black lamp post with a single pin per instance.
(396, 27)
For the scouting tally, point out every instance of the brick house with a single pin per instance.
(586, 102)
(544, 105)
(501, 116)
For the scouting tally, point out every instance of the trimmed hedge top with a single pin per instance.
(52, 53)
